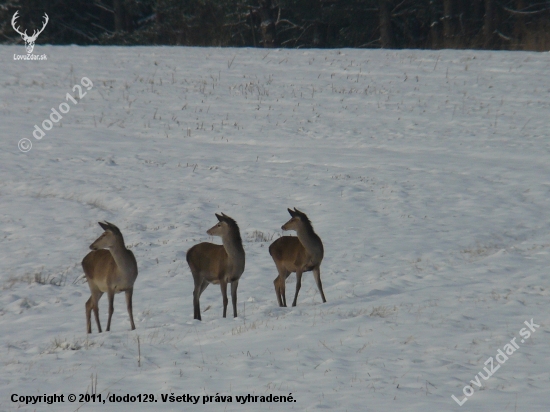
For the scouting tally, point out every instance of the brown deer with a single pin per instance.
(111, 268)
(217, 264)
(297, 254)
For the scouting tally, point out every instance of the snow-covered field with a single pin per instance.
(425, 173)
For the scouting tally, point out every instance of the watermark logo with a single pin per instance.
(29, 40)
(24, 145)
(38, 133)
(501, 357)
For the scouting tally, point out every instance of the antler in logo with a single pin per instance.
(29, 40)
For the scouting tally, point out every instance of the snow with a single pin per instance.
(425, 173)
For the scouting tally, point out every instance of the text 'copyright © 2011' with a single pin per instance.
(149, 398)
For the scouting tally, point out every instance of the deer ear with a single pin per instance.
(220, 218)
(292, 213)
(104, 225)
(113, 228)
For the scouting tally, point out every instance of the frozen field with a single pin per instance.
(425, 173)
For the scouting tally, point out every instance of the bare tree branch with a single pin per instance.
(502, 36)
(523, 13)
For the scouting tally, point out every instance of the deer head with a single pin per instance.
(29, 40)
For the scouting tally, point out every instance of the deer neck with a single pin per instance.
(232, 244)
(124, 259)
(311, 242)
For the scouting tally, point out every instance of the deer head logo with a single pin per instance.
(29, 40)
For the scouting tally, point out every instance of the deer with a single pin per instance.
(299, 254)
(218, 264)
(110, 268)
(29, 40)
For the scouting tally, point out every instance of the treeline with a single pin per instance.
(431, 24)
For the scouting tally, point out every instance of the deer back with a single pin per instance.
(101, 269)
(209, 261)
(97, 265)
(289, 251)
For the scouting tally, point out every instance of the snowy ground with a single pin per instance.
(425, 173)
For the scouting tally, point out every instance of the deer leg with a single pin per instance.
(96, 311)
(277, 291)
(89, 305)
(234, 286)
(223, 286)
(92, 304)
(298, 286)
(111, 297)
(282, 287)
(196, 295)
(317, 276)
(129, 293)
(279, 283)
(203, 286)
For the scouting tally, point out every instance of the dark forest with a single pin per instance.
(425, 24)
